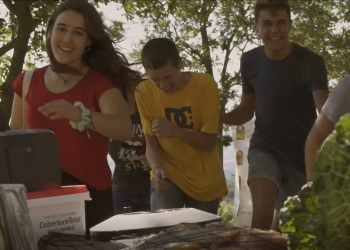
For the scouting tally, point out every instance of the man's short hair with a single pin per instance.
(158, 52)
(271, 5)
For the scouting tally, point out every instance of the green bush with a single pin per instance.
(226, 211)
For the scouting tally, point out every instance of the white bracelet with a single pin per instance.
(85, 118)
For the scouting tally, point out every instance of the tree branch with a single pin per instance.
(25, 26)
(227, 58)
(10, 6)
(7, 47)
(185, 46)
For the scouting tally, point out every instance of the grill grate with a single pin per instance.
(206, 238)
(60, 241)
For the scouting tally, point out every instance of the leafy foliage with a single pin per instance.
(294, 217)
(226, 211)
(323, 26)
(25, 21)
(318, 218)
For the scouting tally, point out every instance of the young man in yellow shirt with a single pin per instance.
(180, 117)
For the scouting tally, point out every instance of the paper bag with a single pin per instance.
(242, 202)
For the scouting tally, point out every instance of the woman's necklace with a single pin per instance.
(65, 81)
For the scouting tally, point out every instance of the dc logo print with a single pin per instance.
(182, 117)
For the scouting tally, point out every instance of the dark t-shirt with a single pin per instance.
(130, 174)
(3, 124)
(284, 106)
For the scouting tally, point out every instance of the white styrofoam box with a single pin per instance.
(60, 211)
(156, 219)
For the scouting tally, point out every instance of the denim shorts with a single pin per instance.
(288, 180)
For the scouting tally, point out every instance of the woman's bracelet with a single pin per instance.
(86, 119)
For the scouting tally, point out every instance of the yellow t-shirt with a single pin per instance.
(196, 108)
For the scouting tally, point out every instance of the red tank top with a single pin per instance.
(83, 157)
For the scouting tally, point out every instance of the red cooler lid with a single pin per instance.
(64, 190)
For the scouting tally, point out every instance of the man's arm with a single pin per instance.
(245, 110)
(153, 151)
(198, 140)
(155, 159)
(318, 81)
(318, 134)
(320, 98)
(205, 139)
(337, 105)
(241, 114)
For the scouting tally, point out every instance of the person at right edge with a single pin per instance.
(283, 84)
(180, 118)
(337, 105)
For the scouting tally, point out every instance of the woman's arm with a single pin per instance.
(322, 128)
(114, 120)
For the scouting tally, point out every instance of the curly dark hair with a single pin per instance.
(101, 55)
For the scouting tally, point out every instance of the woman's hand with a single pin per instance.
(61, 109)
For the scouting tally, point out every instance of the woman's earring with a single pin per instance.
(87, 49)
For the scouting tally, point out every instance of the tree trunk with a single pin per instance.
(25, 28)
(223, 101)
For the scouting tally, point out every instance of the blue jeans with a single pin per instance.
(174, 197)
(138, 201)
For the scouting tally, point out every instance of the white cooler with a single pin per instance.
(61, 210)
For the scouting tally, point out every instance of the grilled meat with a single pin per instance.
(214, 236)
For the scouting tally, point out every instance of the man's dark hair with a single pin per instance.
(158, 52)
(272, 6)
